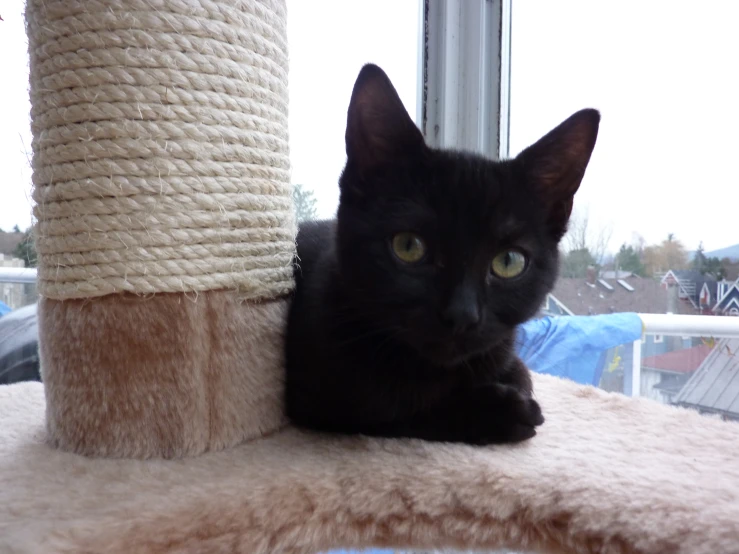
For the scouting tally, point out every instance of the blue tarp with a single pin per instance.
(4, 309)
(573, 347)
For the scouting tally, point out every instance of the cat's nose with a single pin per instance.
(462, 313)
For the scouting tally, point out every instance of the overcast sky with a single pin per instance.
(663, 73)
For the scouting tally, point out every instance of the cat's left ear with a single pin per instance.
(555, 165)
(379, 130)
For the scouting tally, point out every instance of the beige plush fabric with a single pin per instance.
(161, 181)
(605, 474)
(166, 375)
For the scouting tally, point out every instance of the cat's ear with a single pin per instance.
(555, 165)
(379, 129)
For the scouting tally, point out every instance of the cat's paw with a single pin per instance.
(512, 416)
(531, 412)
(521, 416)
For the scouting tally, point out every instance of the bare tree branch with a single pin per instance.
(581, 235)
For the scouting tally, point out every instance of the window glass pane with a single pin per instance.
(647, 218)
(330, 40)
(15, 155)
(660, 77)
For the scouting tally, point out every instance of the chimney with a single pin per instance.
(590, 275)
(672, 298)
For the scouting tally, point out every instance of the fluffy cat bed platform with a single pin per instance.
(605, 474)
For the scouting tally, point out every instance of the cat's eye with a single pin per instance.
(508, 264)
(409, 247)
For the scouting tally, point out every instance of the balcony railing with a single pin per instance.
(672, 325)
(21, 275)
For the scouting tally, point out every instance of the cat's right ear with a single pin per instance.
(379, 130)
(554, 166)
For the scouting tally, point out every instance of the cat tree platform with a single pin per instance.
(606, 473)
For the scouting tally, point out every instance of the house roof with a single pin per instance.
(685, 360)
(691, 275)
(714, 387)
(731, 295)
(8, 242)
(691, 282)
(582, 298)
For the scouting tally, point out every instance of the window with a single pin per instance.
(572, 54)
(323, 66)
(15, 132)
(635, 210)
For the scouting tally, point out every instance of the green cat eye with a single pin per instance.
(509, 264)
(409, 247)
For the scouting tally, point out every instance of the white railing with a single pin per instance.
(679, 326)
(24, 275)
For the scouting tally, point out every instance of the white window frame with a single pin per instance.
(464, 75)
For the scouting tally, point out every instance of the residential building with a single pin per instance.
(703, 293)
(15, 295)
(667, 362)
(664, 375)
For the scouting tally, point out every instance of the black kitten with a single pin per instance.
(405, 310)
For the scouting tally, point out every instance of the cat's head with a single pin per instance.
(450, 251)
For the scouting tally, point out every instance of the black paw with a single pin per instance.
(510, 417)
(522, 414)
(532, 412)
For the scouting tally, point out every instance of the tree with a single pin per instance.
(669, 254)
(628, 259)
(708, 266)
(714, 267)
(730, 269)
(305, 203)
(26, 249)
(576, 262)
(16, 229)
(582, 235)
(699, 260)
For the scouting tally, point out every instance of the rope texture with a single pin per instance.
(160, 150)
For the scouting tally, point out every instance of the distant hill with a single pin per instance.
(731, 252)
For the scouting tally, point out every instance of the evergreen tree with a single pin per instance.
(628, 259)
(305, 203)
(26, 249)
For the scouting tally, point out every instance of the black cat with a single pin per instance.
(404, 315)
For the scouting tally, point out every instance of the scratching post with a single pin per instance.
(165, 225)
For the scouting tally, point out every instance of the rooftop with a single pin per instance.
(685, 360)
(714, 387)
(604, 296)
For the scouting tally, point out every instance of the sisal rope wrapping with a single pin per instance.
(160, 151)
